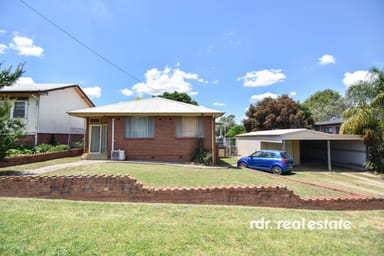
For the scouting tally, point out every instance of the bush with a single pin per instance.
(200, 154)
(42, 148)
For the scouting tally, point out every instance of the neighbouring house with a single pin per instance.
(331, 126)
(308, 146)
(44, 108)
(148, 129)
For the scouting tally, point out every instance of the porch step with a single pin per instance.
(96, 157)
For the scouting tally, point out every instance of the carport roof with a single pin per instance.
(298, 134)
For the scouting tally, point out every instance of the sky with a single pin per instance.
(225, 54)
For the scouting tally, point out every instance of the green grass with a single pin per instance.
(363, 183)
(59, 227)
(32, 166)
(155, 175)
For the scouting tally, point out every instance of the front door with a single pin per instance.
(98, 139)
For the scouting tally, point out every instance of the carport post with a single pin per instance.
(329, 155)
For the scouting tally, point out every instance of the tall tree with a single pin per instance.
(179, 96)
(365, 116)
(225, 123)
(235, 130)
(10, 129)
(325, 105)
(280, 113)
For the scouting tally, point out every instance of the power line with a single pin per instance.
(78, 41)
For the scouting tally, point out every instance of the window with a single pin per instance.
(190, 127)
(19, 109)
(139, 127)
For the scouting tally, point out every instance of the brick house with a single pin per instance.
(148, 129)
(44, 108)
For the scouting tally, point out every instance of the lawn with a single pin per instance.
(359, 182)
(60, 227)
(17, 168)
(157, 175)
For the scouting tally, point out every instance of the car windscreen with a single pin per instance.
(284, 155)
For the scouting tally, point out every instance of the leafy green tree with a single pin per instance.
(179, 96)
(280, 113)
(235, 130)
(365, 116)
(325, 105)
(10, 129)
(224, 124)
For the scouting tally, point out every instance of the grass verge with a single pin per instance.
(59, 227)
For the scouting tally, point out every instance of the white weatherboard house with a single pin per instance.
(44, 108)
(307, 146)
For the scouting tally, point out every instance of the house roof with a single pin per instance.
(330, 122)
(297, 134)
(156, 106)
(33, 88)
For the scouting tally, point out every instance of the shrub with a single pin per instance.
(200, 154)
(42, 148)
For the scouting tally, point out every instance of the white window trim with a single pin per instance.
(25, 109)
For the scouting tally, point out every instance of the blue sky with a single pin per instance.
(225, 54)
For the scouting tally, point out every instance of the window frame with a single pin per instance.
(14, 107)
(129, 128)
(199, 127)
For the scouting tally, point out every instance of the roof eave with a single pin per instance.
(116, 114)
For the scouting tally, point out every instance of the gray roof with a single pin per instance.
(297, 134)
(156, 106)
(332, 121)
(33, 87)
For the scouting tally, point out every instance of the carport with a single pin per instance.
(307, 146)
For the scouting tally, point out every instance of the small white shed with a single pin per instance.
(307, 146)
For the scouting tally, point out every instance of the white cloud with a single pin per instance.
(93, 92)
(167, 80)
(357, 77)
(127, 92)
(25, 46)
(263, 77)
(293, 93)
(25, 80)
(3, 47)
(327, 59)
(3, 31)
(259, 97)
(218, 104)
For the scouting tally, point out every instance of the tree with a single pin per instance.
(235, 130)
(10, 129)
(225, 123)
(365, 117)
(325, 105)
(179, 96)
(280, 113)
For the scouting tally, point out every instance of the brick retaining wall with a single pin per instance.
(127, 189)
(27, 159)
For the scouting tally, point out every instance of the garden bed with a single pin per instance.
(39, 157)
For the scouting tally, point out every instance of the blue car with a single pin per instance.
(277, 162)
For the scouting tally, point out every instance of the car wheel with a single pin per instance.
(243, 165)
(277, 170)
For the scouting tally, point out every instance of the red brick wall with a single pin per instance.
(125, 188)
(163, 147)
(27, 159)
